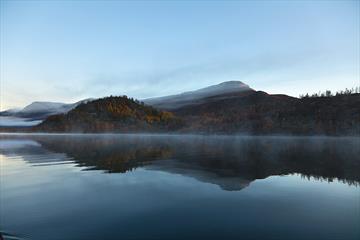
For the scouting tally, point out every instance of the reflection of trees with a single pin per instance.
(256, 158)
(110, 155)
(331, 179)
(223, 157)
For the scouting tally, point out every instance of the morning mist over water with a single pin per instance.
(115, 183)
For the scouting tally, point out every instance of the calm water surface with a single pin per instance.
(179, 187)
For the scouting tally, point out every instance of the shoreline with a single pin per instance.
(173, 135)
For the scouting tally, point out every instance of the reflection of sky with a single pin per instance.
(67, 51)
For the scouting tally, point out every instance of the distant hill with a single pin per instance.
(111, 114)
(198, 96)
(35, 112)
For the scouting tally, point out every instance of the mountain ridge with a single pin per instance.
(226, 108)
(193, 97)
(38, 111)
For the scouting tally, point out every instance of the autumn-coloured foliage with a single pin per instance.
(112, 114)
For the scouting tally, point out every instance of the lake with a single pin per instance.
(178, 187)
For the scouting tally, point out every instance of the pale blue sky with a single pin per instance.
(70, 50)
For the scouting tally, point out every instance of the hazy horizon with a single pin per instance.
(65, 51)
(155, 97)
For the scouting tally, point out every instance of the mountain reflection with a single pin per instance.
(230, 162)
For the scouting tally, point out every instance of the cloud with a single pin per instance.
(256, 70)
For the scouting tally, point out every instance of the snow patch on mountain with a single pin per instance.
(54, 107)
(179, 100)
(45, 107)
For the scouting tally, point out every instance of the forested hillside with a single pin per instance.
(111, 114)
(250, 112)
(262, 113)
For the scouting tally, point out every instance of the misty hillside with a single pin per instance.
(35, 112)
(110, 114)
(230, 107)
(197, 97)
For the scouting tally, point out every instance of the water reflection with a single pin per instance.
(230, 162)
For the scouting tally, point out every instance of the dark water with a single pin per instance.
(179, 187)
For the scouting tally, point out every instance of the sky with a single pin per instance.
(65, 51)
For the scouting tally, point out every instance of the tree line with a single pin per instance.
(328, 93)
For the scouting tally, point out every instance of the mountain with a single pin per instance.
(234, 107)
(219, 91)
(35, 112)
(227, 108)
(111, 114)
